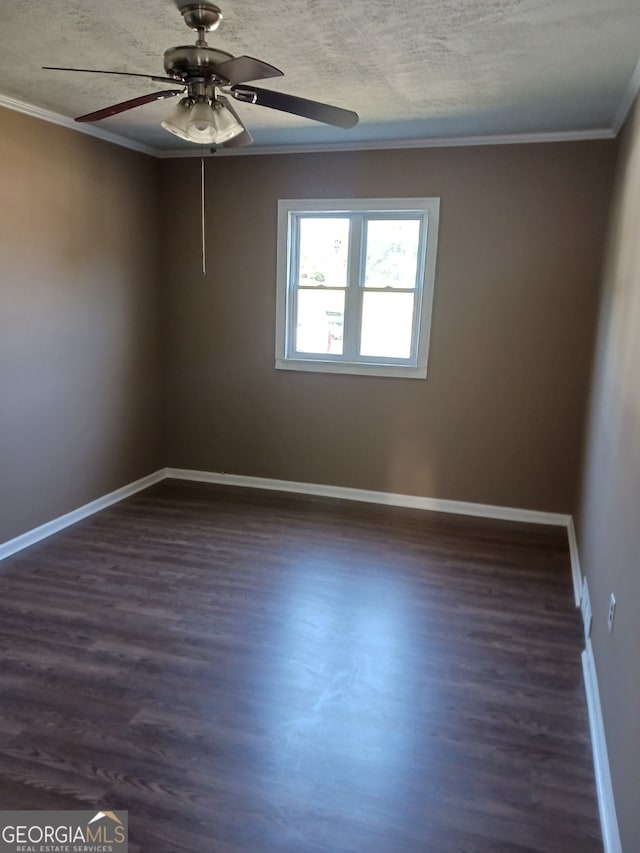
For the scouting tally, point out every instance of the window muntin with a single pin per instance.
(355, 283)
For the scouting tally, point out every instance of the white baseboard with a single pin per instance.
(606, 803)
(604, 786)
(339, 492)
(32, 536)
(366, 496)
(12, 546)
(576, 572)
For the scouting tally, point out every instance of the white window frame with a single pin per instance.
(289, 211)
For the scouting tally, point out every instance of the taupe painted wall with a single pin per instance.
(499, 418)
(79, 359)
(609, 514)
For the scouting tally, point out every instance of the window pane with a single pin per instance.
(320, 321)
(392, 252)
(324, 252)
(387, 322)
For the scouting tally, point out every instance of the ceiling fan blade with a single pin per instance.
(244, 68)
(129, 105)
(242, 140)
(119, 73)
(297, 106)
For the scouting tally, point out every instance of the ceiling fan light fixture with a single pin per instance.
(201, 126)
(227, 125)
(202, 122)
(177, 120)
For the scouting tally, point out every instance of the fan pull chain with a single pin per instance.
(204, 259)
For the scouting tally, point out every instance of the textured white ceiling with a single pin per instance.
(441, 68)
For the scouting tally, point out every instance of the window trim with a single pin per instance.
(288, 209)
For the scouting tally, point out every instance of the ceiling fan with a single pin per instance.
(203, 75)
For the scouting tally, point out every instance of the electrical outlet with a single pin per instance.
(585, 609)
(612, 612)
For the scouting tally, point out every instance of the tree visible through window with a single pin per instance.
(355, 281)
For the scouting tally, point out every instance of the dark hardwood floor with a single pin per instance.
(249, 671)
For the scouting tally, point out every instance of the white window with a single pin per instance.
(355, 285)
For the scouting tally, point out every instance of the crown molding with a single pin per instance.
(630, 94)
(390, 144)
(64, 121)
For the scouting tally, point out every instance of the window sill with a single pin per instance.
(356, 368)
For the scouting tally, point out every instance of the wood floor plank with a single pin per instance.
(248, 671)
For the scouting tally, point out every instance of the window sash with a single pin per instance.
(355, 287)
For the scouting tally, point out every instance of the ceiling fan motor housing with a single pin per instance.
(192, 61)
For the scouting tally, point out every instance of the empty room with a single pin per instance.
(320, 427)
